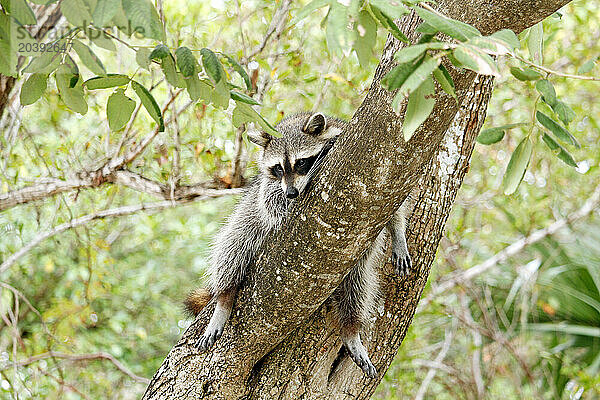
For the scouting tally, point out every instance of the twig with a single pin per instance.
(276, 26)
(83, 357)
(176, 167)
(114, 212)
(62, 383)
(118, 162)
(553, 72)
(477, 341)
(236, 175)
(84, 179)
(438, 361)
(590, 205)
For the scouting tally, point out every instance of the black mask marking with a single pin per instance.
(276, 171)
(303, 165)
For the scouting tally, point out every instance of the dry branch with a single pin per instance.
(81, 357)
(113, 212)
(462, 276)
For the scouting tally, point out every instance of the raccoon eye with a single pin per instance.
(277, 171)
(304, 165)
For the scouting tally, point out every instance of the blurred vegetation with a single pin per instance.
(527, 328)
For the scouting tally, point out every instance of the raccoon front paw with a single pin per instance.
(402, 263)
(359, 355)
(210, 336)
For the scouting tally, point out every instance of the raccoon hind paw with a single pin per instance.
(402, 263)
(359, 355)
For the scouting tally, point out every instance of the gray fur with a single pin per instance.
(262, 210)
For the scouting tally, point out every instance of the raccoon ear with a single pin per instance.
(259, 138)
(316, 124)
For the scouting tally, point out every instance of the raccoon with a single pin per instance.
(287, 165)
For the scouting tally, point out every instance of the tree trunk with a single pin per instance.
(281, 340)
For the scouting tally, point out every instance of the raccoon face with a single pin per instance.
(292, 159)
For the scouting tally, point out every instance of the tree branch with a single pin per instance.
(48, 187)
(114, 212)
(462, 276)
(81, 357)
(94, 177)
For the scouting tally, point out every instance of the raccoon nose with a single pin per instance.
(291, 192)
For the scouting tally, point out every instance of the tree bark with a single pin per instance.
(281, 340)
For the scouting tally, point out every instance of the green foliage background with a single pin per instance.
(116, 286)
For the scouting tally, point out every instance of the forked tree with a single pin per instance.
(281, 341)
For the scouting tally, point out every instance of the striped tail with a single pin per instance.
(196, 301)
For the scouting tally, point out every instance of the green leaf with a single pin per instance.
(159, 52)
(420, 74)
(517, 166)
(144, 18)
(491, 136)
(149, 104)
(398, 75)
(46, 63)
(443, 77)
(308, 9)
(451, 27)
(171, 75)
(559, 151)
(33, 88)
(427, 30)
(336, 32)
(365, 37)
(586, 67)
(489, 45)
(142, 57)
(545, 88)
(220, 95)
(211, 64)
(495, 134)
(420, 105)
(198, 89)
(88, 58)
(410, 53)
(104, 11)
(119, 109)
(240, 70)
(71, 94)
(387, 22)
(395, 9)
(19, 10)
(508, 37)
(101, 39)
(475, 60)
(74, 69)
(237, 96)
(185, 61)
(535, 43)
(76, 12)
(121, 21)
(108, 81)
(581, 330)
(564, 112)
(561, 133)
(245, 113)
(525, 74)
